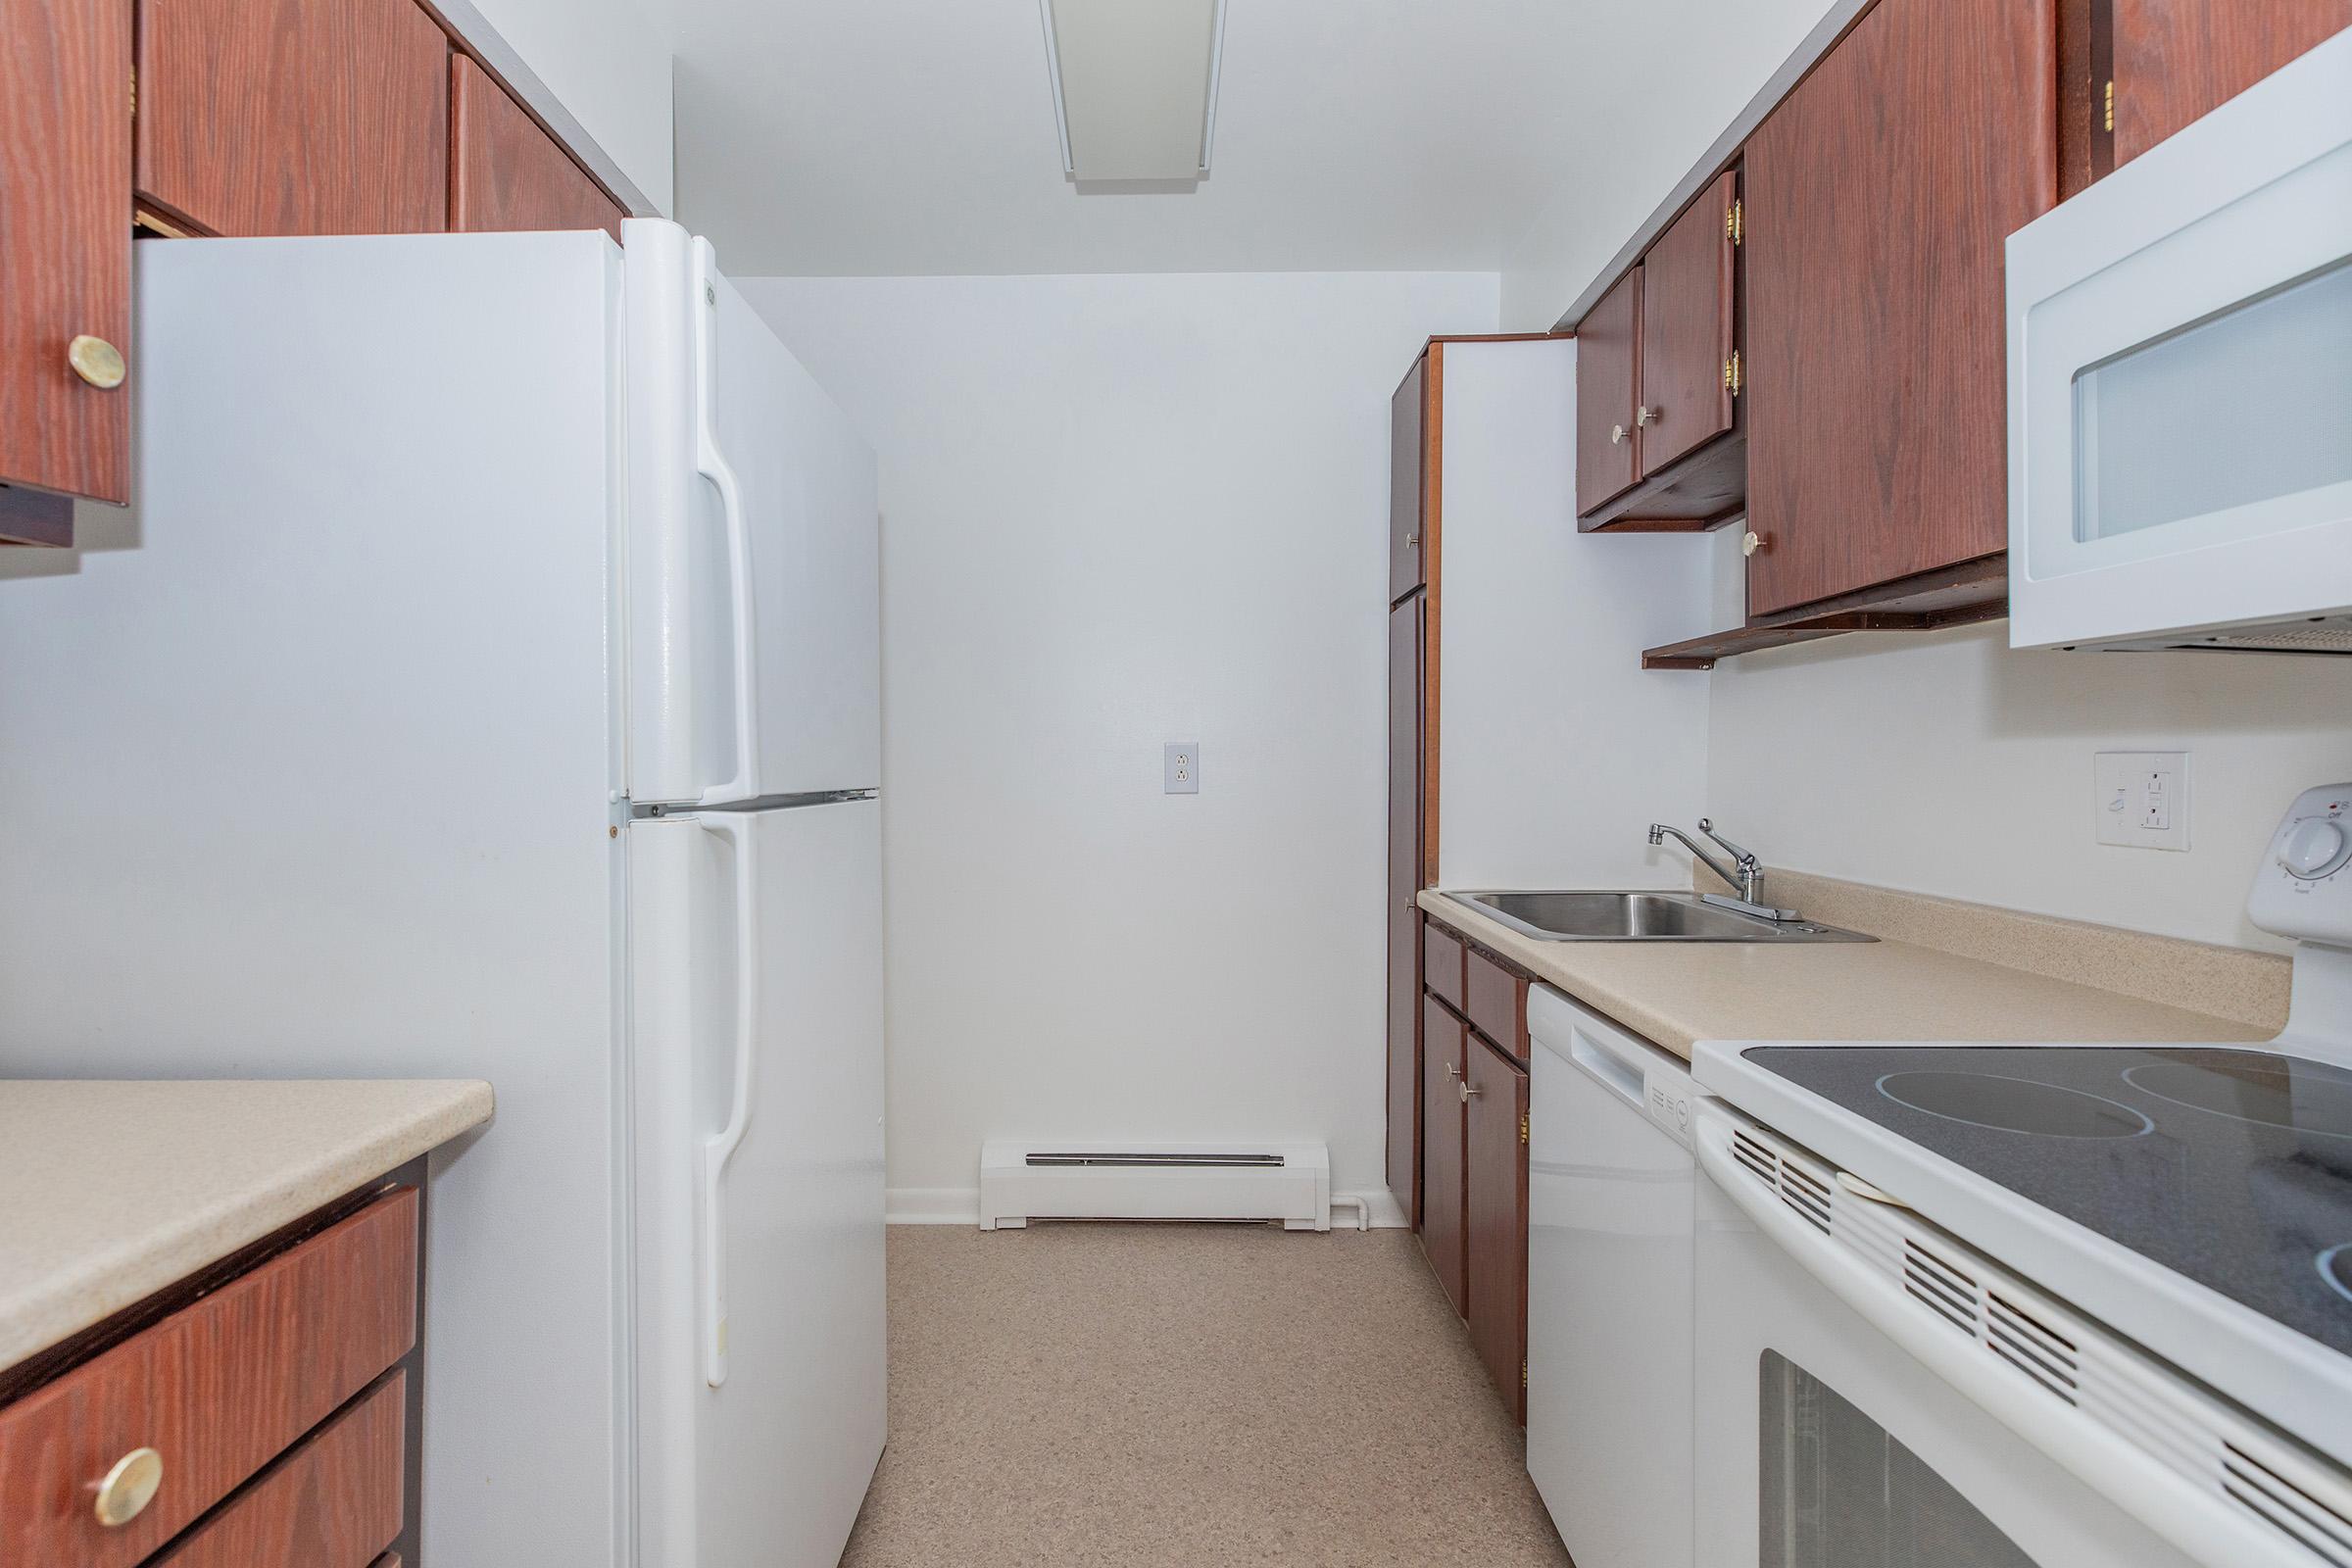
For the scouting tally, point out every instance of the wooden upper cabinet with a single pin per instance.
(1686, 323)
(506, 173)
(1409, 426)
(2176, 60)
(281, 117)
(64, 259)
(1608, 350)
(1876, 199)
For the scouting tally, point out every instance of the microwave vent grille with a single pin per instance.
(2328, 634)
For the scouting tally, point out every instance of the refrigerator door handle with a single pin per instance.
(718, 1148)
(711, 463)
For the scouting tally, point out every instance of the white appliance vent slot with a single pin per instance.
(1805, 1193)
(2040, 1353)
(1940, 1284)
(1021, 1179)
(2287, 1506)
(2087, 1371)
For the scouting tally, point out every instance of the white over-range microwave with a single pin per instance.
(2181, 386)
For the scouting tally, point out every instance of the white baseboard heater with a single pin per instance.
(1021, 1179)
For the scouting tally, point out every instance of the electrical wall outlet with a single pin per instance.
(1180, 769)
(2142, 798)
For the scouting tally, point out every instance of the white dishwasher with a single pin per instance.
(1610, 1289)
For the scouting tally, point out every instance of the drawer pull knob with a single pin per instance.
(1467, 1091)
(97, 361)
(130, 1487)
(1751, 543)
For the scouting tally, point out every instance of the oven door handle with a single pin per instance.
(2195, 1519)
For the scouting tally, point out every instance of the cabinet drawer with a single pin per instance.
(219, 1390)
(1441, 962)
(1497, 1004)
(335, 1502)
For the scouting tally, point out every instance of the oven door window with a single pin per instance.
(1839, 1492)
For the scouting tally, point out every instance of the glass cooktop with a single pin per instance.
(2232, 1167)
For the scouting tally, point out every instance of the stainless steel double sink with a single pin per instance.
(1636, 917)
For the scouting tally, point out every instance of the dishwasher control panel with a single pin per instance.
(1668, 1105)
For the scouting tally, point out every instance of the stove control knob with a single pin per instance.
(2314, 847)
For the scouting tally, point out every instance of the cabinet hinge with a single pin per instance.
(134, 92)
(1730, 373)
(1523, 1127)
(1734, 222)
(2111, 102)
(1523, 1372)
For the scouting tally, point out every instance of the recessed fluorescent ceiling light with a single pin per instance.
(1135, 86)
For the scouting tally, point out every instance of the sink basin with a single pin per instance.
(1613, 916)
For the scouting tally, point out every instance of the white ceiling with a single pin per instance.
(916, 136)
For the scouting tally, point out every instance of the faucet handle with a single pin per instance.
(1745, 858)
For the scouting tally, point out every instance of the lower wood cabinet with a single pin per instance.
(273, 1404)
(1444, 1048)
(1474, 1093)
(1494, 1217)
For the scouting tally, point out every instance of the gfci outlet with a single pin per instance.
(2142, 798)
(1180, 769)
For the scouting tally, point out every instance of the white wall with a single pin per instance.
(1947, 763)
(598, 70)
(1670, 101)
(1119, 510)
(1556, 747)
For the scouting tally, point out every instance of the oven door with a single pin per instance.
(1844, 1417)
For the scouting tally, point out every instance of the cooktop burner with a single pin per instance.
(2014, 1105)
(2230, 1166)
(2266, 1090)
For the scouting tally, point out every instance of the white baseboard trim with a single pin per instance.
(961, 1205)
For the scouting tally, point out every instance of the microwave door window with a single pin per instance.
(1837, 1491)
(2251, 404)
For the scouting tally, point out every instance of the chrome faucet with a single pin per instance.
(1744, 871)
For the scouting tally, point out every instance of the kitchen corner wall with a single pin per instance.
(1122, 510)
(1947, 763)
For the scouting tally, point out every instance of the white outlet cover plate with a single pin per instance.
(1180, 769)
(2140, 798)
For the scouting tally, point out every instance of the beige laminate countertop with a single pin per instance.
(1676, 994)
(111, 1191)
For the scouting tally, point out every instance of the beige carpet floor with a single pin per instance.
(1187, 1394)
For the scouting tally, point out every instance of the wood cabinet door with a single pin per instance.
(1876, 201)
(1404, 916)
(1495, 1198)
(280, 116)
(1608, 367)
(64, 257)
(1687, 301)
(1409, 429)
(1444, 1041)
(505, 173)
(2176, 60)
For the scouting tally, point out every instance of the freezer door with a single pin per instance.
(757, 1038)
(754, 630)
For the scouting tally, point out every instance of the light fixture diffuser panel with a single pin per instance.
(1136, 81)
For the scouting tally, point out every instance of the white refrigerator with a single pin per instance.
(486, 683)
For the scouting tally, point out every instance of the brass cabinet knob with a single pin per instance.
(97, 361)
(1751, 542)
(1467, 1091)
(1616, 435)
(1646, 415)
(130, 1487)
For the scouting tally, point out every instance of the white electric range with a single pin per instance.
(2040, 1307)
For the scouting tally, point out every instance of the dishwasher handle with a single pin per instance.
(1611, 1071)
